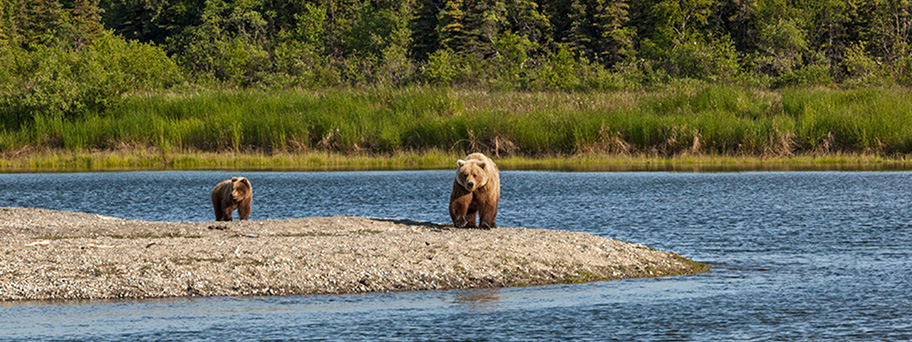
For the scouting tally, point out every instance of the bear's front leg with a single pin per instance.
(471, 218)
(244, 210)
(459, 206)
(488, 213)
(226, 214)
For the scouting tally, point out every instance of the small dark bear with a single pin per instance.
(476, 190)
(235, 193)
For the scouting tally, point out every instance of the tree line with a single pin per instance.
(67, 56)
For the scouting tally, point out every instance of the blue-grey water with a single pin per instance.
(795, 256)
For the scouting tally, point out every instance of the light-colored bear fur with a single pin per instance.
(476, 190)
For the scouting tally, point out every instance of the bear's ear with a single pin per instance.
(245, 181)
(481, 164)
(234, 179)
(460, 163)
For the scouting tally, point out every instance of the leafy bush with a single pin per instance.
(68, 83)
(810, 75)
(442, 67)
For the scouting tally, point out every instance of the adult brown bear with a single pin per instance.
(235, 193)
(476, 190)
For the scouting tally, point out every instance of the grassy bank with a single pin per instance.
(149, 159)
(429, 127)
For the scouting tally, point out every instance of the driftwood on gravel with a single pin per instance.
(47, 254)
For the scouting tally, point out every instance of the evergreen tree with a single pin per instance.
(424, 29)
(39, 21)
(525, 18)
(84, 25)
(450, 26)
(151, 20)
(7, 22)
(483, 20)
(580, 34)
(616, 38)
(736, 18)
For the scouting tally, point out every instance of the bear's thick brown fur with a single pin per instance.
(235, 193)
(476, 190)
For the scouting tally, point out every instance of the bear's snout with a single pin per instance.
(470, 185)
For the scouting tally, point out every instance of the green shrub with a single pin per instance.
(54, 82)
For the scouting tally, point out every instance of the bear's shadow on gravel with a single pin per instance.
(416, 223)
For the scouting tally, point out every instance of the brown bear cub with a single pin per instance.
(235, 193)
(476, 190)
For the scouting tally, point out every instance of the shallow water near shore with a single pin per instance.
(795, 256)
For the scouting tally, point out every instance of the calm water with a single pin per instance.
(796, 256)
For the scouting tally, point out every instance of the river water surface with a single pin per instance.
(795, 256)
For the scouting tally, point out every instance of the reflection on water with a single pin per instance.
(479, 300)
(796, 256)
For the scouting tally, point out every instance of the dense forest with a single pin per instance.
(62, 59)
(499, 44)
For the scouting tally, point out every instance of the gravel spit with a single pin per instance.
(49, 254)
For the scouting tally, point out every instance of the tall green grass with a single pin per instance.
(682, 120)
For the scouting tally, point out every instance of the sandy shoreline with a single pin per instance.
(47, 254)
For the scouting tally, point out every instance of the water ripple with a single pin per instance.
(795, 256)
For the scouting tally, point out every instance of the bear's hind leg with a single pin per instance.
(218, 210)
